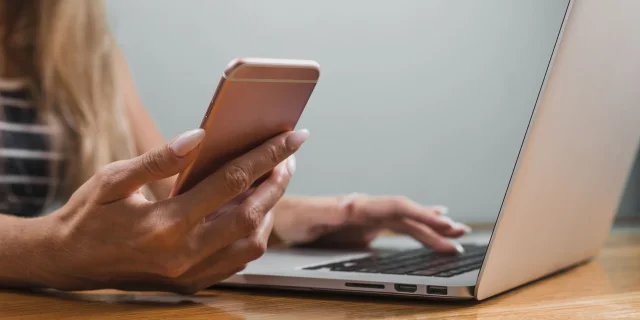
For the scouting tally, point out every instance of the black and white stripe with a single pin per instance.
(26, 180)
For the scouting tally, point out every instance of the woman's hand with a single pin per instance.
(109, 236)
(357, 219)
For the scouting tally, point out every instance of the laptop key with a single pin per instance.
(458, 271)
(425, 272)
(402, 270)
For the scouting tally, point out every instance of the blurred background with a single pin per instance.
(427, 99)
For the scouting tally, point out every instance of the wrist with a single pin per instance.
(25, 247)
(300, 220)
(52, 256)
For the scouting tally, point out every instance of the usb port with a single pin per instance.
(405, 287)
(437, 290)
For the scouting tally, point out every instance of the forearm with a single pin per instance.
(23, 244)
(293, 203)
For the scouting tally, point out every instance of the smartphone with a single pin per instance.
(256, 99)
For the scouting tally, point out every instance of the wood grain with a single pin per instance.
(606, 288)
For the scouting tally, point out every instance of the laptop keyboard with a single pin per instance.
(417, 262)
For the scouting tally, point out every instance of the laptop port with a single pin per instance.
(364, 285)
(405, 287)
(437, 290)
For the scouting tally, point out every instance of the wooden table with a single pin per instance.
(606, 288)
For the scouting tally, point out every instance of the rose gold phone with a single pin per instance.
(256, 100)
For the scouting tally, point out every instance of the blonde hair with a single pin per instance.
(65, 50)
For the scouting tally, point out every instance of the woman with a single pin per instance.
(73, 130)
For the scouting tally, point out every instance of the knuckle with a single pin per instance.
(278, 189)
(257, 247)
(399, 203)
(400, 200)
(250, 218)
(275, 153)
(152, 162)
(107, 176)
(353, 212)
(237, 179)
(281, 189)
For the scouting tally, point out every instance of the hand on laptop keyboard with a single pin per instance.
(357, 219)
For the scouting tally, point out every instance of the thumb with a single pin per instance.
(122, 178)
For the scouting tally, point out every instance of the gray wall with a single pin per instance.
(428, 99)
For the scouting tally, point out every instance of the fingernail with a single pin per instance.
(448, 220)
(296, 139)
(348, 199)
(456, 225)
(457, 245)
(186, 142)
(291, 164)
(441, 209)
(466, 228)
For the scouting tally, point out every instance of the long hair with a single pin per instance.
(65, 51)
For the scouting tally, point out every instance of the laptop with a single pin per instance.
(563, 194)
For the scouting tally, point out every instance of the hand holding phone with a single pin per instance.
(256, 100)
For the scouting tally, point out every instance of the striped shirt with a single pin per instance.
(25, 154)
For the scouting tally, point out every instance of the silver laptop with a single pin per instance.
(562, 196)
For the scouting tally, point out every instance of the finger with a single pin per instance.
(221, 264)
(456, 229)
(193, 286)
(122, 178)
(441, 210)
(426, 236)
(247, 218)
(216, 278)
(239, 175)
(236, 255)
(231, 205)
